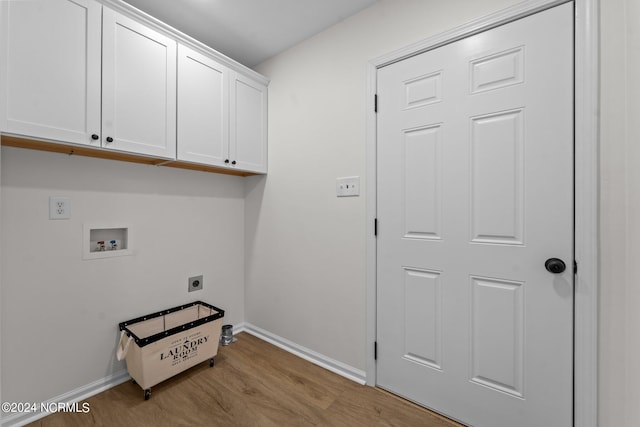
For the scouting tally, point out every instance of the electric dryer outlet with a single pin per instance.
(195, 283)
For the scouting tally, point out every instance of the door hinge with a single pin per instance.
(375, 103)
(375, 350)
(575, 267)
(375, 227)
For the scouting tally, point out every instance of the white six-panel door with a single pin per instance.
(475, 193)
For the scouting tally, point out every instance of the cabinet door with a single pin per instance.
(138, 88)
(248, 134)
(203, 113)
(50, 69)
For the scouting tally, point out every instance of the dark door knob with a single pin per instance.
(233, 163)
(109, 139)
(94, 136)
(555, 265)
(226, 161)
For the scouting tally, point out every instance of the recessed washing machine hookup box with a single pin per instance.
(160, 345)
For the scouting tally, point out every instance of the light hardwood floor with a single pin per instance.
(253, 383)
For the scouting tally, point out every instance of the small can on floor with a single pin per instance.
(226, 337)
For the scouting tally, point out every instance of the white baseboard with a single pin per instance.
(70, 397)
(84, 392)
(240, 327)
(316, 358)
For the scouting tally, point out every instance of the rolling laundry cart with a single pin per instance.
(169, 341)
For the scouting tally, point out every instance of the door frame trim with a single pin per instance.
(586, 211)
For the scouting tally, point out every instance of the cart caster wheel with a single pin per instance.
(147, 394)
(211, 362)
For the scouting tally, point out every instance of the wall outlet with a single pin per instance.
(59, 208)
(348, 186)
(195, 283)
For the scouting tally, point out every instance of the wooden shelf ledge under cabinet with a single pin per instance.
(78, 150)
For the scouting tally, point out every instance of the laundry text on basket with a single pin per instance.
(184, 350)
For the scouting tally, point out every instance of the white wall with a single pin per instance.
(305, 271)
(60, 313)
(620, 214)
(1, 239)
(632, 281)
(305, 248)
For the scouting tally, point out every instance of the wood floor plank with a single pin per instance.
(253, 383)
(290, 373)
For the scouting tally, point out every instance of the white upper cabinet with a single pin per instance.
(203, 108)
(107, 77)
(138, 88)
(50, 69)
(248, 118)
(221, 115)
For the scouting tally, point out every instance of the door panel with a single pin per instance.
(497, 334)
(475, 192)
(422, 317)
(497, 167)
(421, 183)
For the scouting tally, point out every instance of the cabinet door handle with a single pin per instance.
(226, 161)
(109, 139)
(233, 163)
(94, 136)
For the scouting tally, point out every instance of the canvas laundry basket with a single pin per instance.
(160, 345)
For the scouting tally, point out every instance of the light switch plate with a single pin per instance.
(348, 186)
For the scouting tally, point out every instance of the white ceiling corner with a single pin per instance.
(251, 31)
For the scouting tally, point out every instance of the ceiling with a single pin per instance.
(251, 31)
